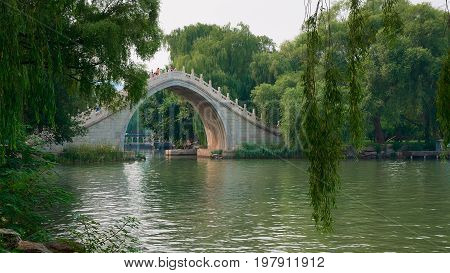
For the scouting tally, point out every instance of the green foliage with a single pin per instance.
(221, 54)
(136, 125)
(267, 97)
(93, 154)
(378, 148)
(444, 155)
(199, 130)
(396, 146)
(267, 67)
(357, 46)
(382, 63)
(171, 118)
(291, 118)
(325, 152)
(398, 71)
(402, 71)
(75, 47)
(311, 125)
(322, 123)
(443, 99)
(392, 21)
(263, 68)
(216, 152)
(114, 239)
(255, 151)
(28, 188)
(419, 146)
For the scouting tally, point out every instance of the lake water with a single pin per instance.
(201, 205)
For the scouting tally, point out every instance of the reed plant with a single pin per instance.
(94, 154)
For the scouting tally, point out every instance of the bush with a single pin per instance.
(2, 248)
(378, 148)
(396, 146)
(420, 146)
(217, 152)
(92, 154)
(114, 239)
(28, 187)
(429, 146)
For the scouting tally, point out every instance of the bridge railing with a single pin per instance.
(243, 111)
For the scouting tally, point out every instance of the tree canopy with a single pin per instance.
(221, 54)
(401, 70)
(72, 48)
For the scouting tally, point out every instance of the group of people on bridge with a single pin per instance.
(159, 71)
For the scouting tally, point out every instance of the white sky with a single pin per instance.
(280, 20)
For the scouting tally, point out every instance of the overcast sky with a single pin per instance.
(280, 20)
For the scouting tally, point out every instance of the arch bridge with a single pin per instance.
(227, 124)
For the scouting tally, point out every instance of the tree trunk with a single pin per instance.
(379, 136)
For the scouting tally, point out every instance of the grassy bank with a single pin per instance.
(396, 150)
(254, 151)
(96, 154)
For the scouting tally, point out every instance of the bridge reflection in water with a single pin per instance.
(138, 141)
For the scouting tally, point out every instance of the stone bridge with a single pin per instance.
(227, 124)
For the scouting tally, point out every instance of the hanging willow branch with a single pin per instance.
(323, 121)
(357, 46)
(311, 121)
(322, 125)
(32, 86)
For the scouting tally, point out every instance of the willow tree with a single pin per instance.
(82, 47)
(323, 111)
(221, 53)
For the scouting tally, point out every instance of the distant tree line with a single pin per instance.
(399, 83)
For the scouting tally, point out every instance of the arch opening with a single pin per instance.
(205, 108)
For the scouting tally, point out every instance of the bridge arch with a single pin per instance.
(227, 124)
